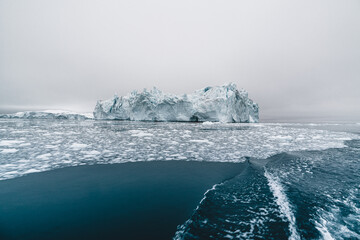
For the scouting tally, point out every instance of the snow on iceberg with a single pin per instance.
(215, 104)
(49, 114)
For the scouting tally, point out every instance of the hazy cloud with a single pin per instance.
(296, 58)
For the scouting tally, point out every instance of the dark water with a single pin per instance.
(299, 195)
(142, 200)
(308, 189)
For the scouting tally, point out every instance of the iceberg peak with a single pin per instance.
(215, 104)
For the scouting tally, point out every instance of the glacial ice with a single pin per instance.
(49, 114)
(211, 104)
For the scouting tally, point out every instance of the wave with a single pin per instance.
(298, 195)
(240, 208)
(341, 220)
(283, 203)
(182, 228)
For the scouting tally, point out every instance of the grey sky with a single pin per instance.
(295, 58)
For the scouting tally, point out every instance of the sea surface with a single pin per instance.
(284, 181)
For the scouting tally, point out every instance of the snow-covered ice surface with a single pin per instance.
(38, 145)
(49, 114)
(215, 104)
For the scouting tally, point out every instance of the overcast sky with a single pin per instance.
(297, 59)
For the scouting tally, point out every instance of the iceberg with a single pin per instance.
(211, 104)
(49, 114)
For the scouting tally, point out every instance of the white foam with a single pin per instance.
(181, 228)
(327, 221)
(283, 203)
(321, 227)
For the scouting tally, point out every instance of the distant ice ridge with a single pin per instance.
(213, 104)
(49, 114)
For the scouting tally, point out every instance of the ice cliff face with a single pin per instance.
(49, 114)
(217, 104)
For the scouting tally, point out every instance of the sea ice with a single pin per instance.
(78, 146)
(106, 142)
(9, 142)
(49, 114)
(9, 150)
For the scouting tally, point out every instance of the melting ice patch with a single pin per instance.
(78, 146)
(9, 150)
(139, 133)
(8, 143)
(201, 141)
(50, 144)
(45, 156)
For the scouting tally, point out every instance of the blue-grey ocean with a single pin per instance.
(63, 179)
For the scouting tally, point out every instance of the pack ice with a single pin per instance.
(216, 104)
